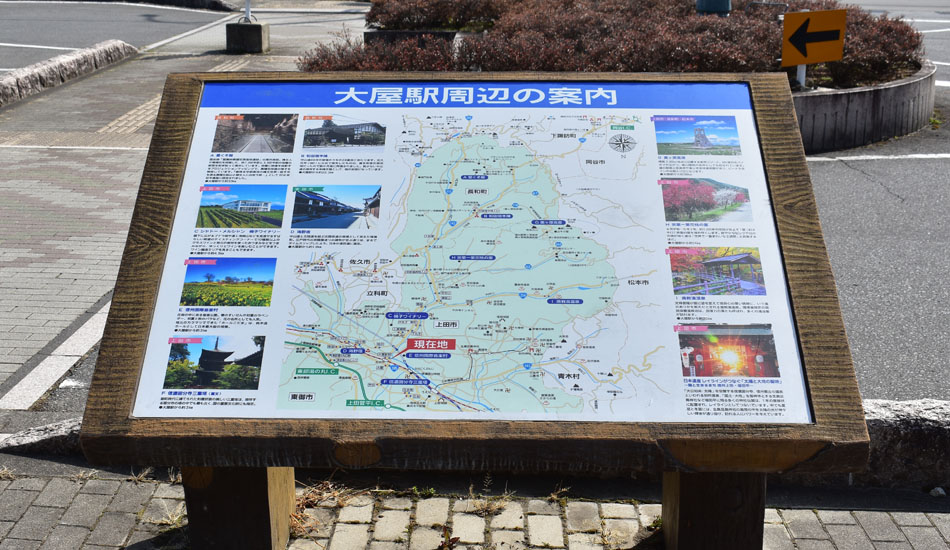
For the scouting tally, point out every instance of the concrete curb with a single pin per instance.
(909, 442)
(32, 79)
(831, 120)
(58, 438)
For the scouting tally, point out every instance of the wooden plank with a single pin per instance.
(713, 511)
(239, 507)
(837, 440)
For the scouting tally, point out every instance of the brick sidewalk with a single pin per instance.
(87, 512)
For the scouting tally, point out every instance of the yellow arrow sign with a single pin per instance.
(813, 37)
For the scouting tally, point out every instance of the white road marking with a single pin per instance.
(37, 46)
(940, 63)
(935, 30)
(915, 156)
(161, 43)
(928, 20)
(943, 83)
(32, 387)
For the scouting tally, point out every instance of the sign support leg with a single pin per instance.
(239, 507)
(800, 75)
(712, 511)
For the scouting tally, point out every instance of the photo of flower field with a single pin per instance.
(229, 282)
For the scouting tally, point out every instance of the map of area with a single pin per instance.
(511, 264)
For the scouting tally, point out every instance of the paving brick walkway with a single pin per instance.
(84, 511)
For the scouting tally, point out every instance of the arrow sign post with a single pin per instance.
(813, 37)
(801, 38)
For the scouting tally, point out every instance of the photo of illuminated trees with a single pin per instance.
(728, 351)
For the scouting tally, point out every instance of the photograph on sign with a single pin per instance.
(255, 133)
(566, 251)
(692, 135)
(241, 206)
(705, 200)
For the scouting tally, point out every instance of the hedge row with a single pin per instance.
(629, 36)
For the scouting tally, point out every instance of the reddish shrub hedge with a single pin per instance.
(410, 15)
(634, 36)
(347, 54)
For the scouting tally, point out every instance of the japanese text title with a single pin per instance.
(470, 95)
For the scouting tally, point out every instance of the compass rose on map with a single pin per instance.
(622, 143)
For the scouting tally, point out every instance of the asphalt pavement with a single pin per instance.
(932, 18)
(34, 31)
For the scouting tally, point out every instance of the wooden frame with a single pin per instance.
(836, 441)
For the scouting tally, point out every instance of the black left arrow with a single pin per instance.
(801, 37)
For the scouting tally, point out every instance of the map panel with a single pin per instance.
(479, 251)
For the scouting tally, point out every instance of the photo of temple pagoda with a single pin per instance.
(215, 362)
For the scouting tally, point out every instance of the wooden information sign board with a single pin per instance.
(578, 273)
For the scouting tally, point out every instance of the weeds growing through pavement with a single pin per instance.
(141, 476)
(488, 505)
(325, 493)
(559, 494)
(6, 474)
(86, 475)
(172, 518)
(174, 476)
(448, 541)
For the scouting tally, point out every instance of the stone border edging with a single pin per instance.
(909, 442)
(32, 79)
(831, 120)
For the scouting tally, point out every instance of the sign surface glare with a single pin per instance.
(490, 250)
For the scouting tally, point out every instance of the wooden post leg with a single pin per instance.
(239, 507)
(709, 511)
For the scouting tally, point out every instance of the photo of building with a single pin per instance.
(247, 206)
(723, 271)
(371, 204)
(242, 206)
(331, 134)
(336, 207)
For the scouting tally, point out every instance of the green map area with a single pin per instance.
(468, 310)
